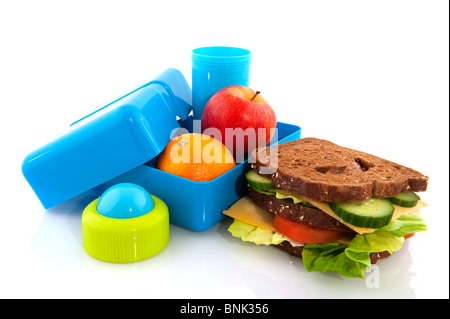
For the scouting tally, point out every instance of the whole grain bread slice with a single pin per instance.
(324, 171)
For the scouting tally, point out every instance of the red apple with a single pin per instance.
(242, 117)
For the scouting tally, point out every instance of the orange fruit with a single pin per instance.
(196, 156)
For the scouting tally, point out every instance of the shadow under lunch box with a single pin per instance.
(121, 142)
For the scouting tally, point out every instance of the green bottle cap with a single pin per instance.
(122, 240)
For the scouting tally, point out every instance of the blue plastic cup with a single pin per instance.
(214, 68)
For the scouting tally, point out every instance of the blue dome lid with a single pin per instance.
(125, 200)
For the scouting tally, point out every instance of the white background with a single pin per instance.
(371, 75)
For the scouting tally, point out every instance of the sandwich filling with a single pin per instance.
(330, 236)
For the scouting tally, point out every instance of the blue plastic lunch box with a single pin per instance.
(121, 142)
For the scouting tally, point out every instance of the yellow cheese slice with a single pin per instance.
(245, 210)
(325, 207)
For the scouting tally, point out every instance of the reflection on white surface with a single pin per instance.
(206, 264)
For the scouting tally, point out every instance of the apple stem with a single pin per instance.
(256, 94)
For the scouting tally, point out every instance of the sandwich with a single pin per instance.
(338, 209)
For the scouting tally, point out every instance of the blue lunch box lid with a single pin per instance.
(110, 141)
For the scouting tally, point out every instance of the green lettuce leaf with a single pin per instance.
(405, 225)
(361, 246)
(349, 260)
(280, 194)
(331, 257)
(256, 235)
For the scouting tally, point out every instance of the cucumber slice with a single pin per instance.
(372, 213)
(405, 199)
(258, 182)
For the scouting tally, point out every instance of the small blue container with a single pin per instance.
(121, 142)
(214, 68)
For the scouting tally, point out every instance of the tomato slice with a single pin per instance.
(409, 235)
(304, 233)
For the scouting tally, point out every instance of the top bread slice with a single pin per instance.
(324, 171)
